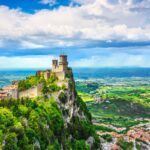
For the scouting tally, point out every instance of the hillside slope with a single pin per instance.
(57, 120)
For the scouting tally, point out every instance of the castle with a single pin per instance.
(60, 68)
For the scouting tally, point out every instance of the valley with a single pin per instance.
(120, 108)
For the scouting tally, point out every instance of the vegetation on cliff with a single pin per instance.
(26, 124)
(29, 82)
(49, 85)
(39, 123)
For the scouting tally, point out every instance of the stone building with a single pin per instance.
(59, 67)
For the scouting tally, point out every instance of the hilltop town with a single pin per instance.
(59, 68)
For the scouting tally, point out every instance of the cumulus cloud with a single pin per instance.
(97, 20)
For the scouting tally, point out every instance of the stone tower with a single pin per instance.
(63, 63)
(59, 67)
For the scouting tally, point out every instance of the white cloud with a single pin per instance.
(83, 1)
(26, 62)
(26, 44)
(49, 2)
(44, 61)
(93, 20)
(114, 60)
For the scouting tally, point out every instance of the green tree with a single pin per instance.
(11, 142)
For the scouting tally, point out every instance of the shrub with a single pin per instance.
(107, 137)
(80, 145)
(83, 108)
(53, 87)
(11, 142)
(63, 97)
(52, 78)
(125, 145)
(29, 82)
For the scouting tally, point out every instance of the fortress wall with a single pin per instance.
(32, 92)
(46, 75)
(14, 93)
(58, 69)
(39, 89)
(60, 75)
(63, 82)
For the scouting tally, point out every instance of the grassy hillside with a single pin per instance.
(118, 113)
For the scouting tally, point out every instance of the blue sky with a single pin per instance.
(31, 6)
(93, 33)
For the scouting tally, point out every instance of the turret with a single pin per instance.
(60, 68)
(63, 63)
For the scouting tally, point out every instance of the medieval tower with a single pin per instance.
(60, 67)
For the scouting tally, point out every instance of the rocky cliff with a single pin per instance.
(77, 118)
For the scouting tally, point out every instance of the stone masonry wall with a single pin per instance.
(32, 92)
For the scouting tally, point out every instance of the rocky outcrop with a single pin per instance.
(68, 101)
(75, 114)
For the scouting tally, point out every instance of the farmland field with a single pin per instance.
(117, 102)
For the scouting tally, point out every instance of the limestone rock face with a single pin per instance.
(75, 114)
(67, 100)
